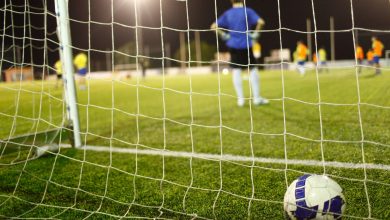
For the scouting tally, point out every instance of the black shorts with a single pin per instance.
(59, 76)
(239, 58)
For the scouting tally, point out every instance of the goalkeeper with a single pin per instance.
(238, 22)
(80, 61)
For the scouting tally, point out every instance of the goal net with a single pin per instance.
(33, 112)
(127, 109)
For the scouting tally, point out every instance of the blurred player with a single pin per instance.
(370, 57)
(322, 59)
(377, 48)
(237, 21)
(359, 57)
(80, 61)
(315, 60)
(301, 56)
(295, 56)
(58, 67)
(144, 65)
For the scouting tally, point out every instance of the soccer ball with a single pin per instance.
(314, 197)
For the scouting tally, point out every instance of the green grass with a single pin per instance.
(76, 183)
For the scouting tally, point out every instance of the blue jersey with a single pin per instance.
(235, 20)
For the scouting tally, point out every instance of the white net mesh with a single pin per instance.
(161, 131)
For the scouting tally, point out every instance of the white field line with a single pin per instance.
(228, 157)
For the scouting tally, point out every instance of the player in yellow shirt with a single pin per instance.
(81, 61)
(301, 56)
(322, 59)
(58, 67)
(359, 57)
(377, 48)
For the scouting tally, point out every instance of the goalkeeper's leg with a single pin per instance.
(255, 83)
(237, 82)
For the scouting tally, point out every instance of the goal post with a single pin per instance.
(61, 7)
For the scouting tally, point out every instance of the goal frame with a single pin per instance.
(64, 37)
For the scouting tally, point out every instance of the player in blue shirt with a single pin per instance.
(235, 27)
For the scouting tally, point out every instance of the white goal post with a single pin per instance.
(66, 56)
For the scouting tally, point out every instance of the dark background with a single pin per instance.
(105, 25)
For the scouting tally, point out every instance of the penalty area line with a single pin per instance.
(235, 158)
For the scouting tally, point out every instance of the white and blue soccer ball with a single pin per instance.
(314, 197)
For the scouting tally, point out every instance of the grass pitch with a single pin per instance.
(198, 114)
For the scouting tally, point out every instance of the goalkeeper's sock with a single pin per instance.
(237, 82)
(255, 83)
